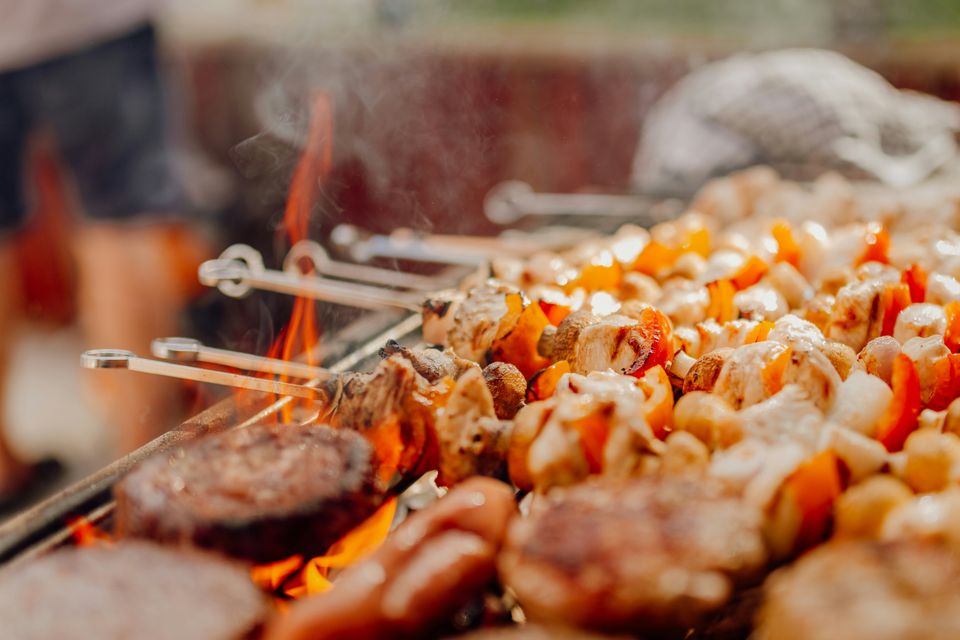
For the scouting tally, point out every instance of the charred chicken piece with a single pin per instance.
(394, 406)
(435, 562)
(857, 314)
(854, 590)
(130, 590)
(263, 493)
(471, 439)
(623, 344)
(508, 388)
(438, 312)
(433, 364)
(651, 555)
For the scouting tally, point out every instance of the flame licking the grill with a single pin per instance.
(87, 534)
(296, 578)
(302, 333)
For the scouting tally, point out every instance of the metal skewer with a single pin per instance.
(240, 269)
(191, 350)
(119, 359)
(406, 244)
(509, 201)
(321, 262)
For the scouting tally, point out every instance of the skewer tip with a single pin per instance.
(106, 359)
(176, 348)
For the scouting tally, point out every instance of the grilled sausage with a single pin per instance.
(437, 560)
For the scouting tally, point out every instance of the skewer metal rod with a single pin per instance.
(119, 359)
(190, 350)
(240, 269)
(405, 244)
(512, 200)
(323, 263)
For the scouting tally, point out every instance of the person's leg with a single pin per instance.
(13, 133)
(131, 290)
(13, 472)
(107, 115)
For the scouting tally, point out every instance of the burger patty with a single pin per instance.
(864, 589)
(645, 555)
(129, 590)
(263, 493)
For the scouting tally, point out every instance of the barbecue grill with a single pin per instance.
(391, 315)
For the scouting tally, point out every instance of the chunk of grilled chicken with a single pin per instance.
(395, 403)
(877, 357)
(856, 317)
(624, 344)
(651, 555)
(920, 321)
(864, 590)
(755, 372)
(472, 441)
(926, 353)
(479, 318)
(438, 312)
(592, 424)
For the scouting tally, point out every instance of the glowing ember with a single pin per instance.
(86, 534)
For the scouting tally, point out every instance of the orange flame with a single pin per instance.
(294, 578)
(87, 534)
(301, 335)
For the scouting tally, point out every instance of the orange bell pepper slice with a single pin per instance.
(951, 337)
(597, 277)
(656, 332)
(772, 372)
(759, 333)
(876, 242)
(543, 383)
(658, 407)
(594, 429)
(894, 299)
(814, 486)
(721, 307)
(788, 250)
(518, 345)
(654, 257)
(900, 419)
(554, 311)
(749, 273)
(946, 382)
(915, 277)
(697, 241)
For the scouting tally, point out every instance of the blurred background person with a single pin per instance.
(84, 74)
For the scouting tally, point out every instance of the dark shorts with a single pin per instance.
(105, 108)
